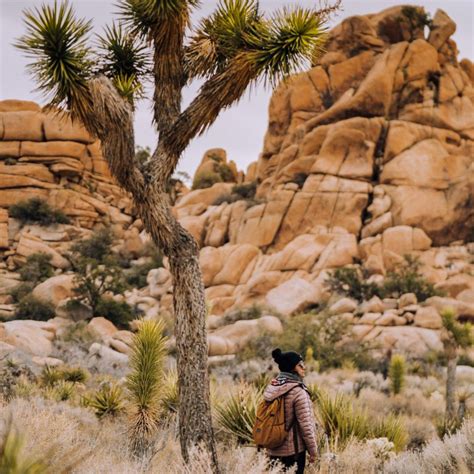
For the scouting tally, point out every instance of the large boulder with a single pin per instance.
(292, 296)
(55, 289)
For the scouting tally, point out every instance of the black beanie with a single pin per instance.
(286, 361)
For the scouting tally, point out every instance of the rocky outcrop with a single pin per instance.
(368, 157)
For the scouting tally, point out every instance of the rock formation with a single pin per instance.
(368, 156)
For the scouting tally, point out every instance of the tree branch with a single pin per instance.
(111, 120)
(218, 93)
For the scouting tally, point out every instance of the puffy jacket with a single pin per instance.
(298, 407)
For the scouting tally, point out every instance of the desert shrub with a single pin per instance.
(352, 282)
(225, 172)
(417, 17)
(37, 268)
(136, 276)
(407, 279)
(10, 161)
(396, 373)
(118, 312)
(226, 197)
(236, 415)
(33, 308)
(328, 335)
(144, 383)
(36, 210)
(106, 401)
(253, 312)
(98, 272)
(245, 190)
(21, 290)
(259, 347)
(50, 376)
(206, 179)
(96, 247)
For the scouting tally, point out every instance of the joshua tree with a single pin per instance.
(231, 50)
(455, 336)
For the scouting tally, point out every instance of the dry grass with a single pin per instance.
(62, 432)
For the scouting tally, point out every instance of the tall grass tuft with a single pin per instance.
(106, 401)
(170, 395)
(396, 373)
(343, 423)
(144, 383)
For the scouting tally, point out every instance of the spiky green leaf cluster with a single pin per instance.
(144, 17)
(397, 372)
(106, 401)
(123, 58)
(146, 363)
(12, 456)
(56, 41)
(462, 333)
(275, 47)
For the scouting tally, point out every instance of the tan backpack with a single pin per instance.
(269, 429)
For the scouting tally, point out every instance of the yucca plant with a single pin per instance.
(396, 373)
(392, 428)
(50, 376)
(169, 397)
(231, 50)
(236, 415)
(75, 374)
(144, 382)
(61, 391)
(455, 335)
(108, 400)
(340, 421)
(13, 459)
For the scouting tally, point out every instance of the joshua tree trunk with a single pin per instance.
(112, 122)
(451, 386)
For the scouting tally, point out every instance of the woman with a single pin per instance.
(299, 418)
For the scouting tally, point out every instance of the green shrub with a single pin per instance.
(31, 307)
(253, 312)
(330, 337)
(97, 271)
(225, 172)
(170, 396)
(96, 247)
(206, 179)
(37, 268)
(417, 17)
(406, 279)
(74, 374)
(20, 291)
(50, 376)
(351, 282)
(61, 391)
(36, 210)
(396, 373)
(236, 415)
(245, 190)
(118, 312)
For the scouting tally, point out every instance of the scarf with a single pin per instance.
(288, 377)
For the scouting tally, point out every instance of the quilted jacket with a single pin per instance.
(298, 407)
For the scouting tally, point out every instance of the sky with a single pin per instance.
(241, 129)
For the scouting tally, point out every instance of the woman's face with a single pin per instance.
(300, 369)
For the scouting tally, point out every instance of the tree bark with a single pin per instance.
(194, 414)
(451, 386)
